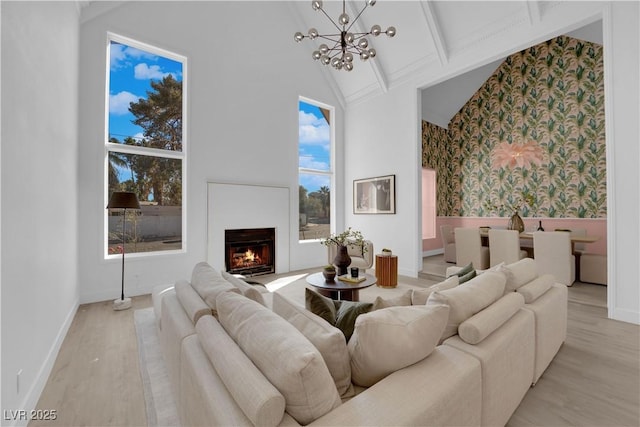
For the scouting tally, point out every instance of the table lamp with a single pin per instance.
(123, 200)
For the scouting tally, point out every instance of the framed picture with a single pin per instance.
(375, 195)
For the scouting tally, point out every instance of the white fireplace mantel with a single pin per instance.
(234, 206)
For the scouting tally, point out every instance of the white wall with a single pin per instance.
(383, 134)
(39, 192)
(242, 122)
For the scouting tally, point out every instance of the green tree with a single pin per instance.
(160, 115)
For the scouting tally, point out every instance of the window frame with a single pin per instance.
(110, 147)
(330, 172)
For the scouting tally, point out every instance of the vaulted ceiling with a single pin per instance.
(429, 35)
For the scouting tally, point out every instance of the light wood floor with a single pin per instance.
(593, 381)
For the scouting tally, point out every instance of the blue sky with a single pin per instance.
(314, 147)
(130, 76)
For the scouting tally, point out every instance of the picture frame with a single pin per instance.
(375, 195)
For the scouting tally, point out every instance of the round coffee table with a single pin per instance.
(338, 289)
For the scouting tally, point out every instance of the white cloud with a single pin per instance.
(119, 103)
(122, 55)
(313, 130)
(311, 163)
(143, 71)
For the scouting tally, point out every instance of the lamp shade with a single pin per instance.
(123, 200)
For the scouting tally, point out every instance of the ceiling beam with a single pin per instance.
(533, 11)
(381, 76)
(436, 33)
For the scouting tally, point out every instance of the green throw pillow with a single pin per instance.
(341, 314)
(466, 277)
(465, 270)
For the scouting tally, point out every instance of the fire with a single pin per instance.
(249, 255)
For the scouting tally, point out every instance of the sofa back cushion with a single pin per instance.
(468, 299)
(482, 324)
(283, 355)
(260, 401)
(208, 283)
(328, 339)
(246, 289)
(393, 338)
(420, 296)
(519, 273)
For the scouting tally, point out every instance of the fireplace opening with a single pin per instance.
(250, 251)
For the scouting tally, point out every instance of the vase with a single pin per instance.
(516, 223)
(540, 226)
(342, 260)
(329, 275)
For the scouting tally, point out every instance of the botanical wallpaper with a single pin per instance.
(531, 139)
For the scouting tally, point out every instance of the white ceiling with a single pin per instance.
(429, 35)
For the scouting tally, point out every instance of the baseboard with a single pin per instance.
(624, 315)
(110, 295)
(432, 252)
(33, 394)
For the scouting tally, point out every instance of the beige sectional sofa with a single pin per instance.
(461, 355)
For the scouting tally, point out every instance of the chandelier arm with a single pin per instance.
(330, 19)
(358, 16)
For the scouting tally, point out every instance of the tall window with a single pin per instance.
(315, 171)
(145, 146)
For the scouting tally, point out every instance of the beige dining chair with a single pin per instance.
(448, 243)
(504, 246)
(552, 252)
(469, 248)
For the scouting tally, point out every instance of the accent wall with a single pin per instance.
(548, 98)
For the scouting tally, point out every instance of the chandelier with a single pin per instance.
(345, 44)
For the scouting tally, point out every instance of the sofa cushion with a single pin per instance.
(519, 273)
(420, 297)
(328, 339)
(191, 302)
(341, 314)
(400, 300)
(536, 288)
(468, 299)
(249, 291)
(390, 339)
(482, 324)
(208, 283)
(283, 355)
(260, 401)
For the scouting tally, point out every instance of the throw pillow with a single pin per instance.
(283, 355)
(247, 290)
(466, 277)
(420, 297)
(465, 270)
(468, 299)
(341, 314)
(404, 299)
(328, 339)
(390, 339)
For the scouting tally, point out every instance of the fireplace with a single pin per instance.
(250, 251)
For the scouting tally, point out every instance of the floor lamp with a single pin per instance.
(123, 200)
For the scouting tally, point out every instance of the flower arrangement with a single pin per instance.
(349, 236)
